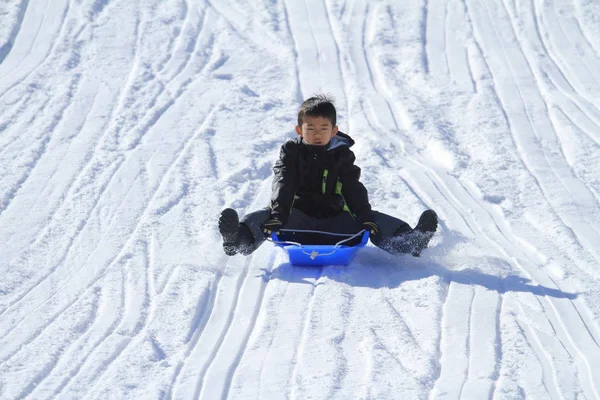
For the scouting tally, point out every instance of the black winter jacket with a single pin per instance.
(300, 180)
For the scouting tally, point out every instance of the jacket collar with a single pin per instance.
(339, 140)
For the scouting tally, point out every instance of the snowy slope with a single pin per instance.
(126, 126)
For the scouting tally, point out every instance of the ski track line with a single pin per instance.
(196, 341)
(377, 79)
(82, 226)
(129, 156)
(318, 57)
(196, 40)
(454, 341)
(458, 54)
(155, 110)
(90, 159)
(50, 51)
(591, 71)
(542, 357)
(224, 330)
(41, 150)
(569, 92)
(488, 68)
(303, 339)
(551, 119)
(197, 333)
(10, 115)
(436, 39)
(424, 32)
(390, 353)
(519, 151)
(271, 339)
(559, 312)
(445, 284)
(588, 131)
(275, 48)
(128, 336)
(341, 359)
(83, 338)
(176, 43)
(406, 329)
(184, 148)
(557, 129)
(43, 139)
(43, 330)
(116, 322)
(448, 69)
(106, 132)
(498, 341)
(222, 358)
(67, 188)
(306, 49)
(496, 367)
(468, 342)
(336, 42)
(243, 345)
(144, 215)
(6, 49)
(35, 36)
(120, 108)
(549, 372)
(484, 366)
(534, 131)
(60, 262)
(53, 319)
(583, 33)
(299, 93)
(125, 340)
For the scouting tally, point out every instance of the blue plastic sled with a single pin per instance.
(319, 255)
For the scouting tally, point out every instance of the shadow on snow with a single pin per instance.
(376, 269)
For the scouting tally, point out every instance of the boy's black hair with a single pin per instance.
(320, 105)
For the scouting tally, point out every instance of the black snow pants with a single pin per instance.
(390, 228)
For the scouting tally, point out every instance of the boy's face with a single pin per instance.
(316, 130)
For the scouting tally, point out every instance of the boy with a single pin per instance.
(317, 188)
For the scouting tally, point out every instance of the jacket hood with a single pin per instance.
(339, 140)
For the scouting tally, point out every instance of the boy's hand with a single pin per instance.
(272, 225)
(371, 227)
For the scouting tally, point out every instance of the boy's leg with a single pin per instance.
(252, 225)
(243, 236)
(298, 221)
(342, 223)
(396, 236)
(247, 235)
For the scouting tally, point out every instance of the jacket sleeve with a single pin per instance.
(354, 192)
(284, 182)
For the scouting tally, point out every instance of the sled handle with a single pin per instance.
(364, 233)
(365, 238)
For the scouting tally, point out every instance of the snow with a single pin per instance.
(126, 127)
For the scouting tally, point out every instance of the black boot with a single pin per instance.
(237, 238)
(424, 231)
(228, 227)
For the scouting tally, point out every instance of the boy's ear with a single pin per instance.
(298, 130)
(335, 130)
